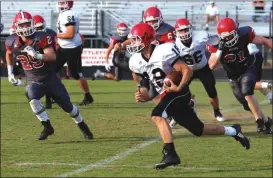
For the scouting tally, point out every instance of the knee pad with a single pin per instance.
(36, 106)
(76, 75)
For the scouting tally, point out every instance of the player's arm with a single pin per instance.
(70, 32)
(262, 40)
(125, 43)
(49, 54)
(9, 61)
(213, 61)
(186, 71)
(109, 49)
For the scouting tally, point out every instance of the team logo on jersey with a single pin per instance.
(230, 58)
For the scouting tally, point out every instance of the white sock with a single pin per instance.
(264, 84)
(230, 131)
(102, 74)
(269, 95)
(75, 114)
(42, 116)
(207, 25)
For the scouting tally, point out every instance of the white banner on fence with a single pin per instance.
(95, 57)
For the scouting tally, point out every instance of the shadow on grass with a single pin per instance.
(235, 170)
(108, 139)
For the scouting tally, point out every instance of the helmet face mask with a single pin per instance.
(24, 29)
(154, 22)
(136, 45)
(184, 34)
(39, 28)
(230, 38)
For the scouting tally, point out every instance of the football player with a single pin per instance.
(120, 61)
(153, 63)
(70, 49)
(163, 31)
(35, 52)
(40, 25)
(240, 66)
(192, 47)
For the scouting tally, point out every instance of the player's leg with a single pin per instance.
(247, 83)
(108, 75)
(185, 115)
(207, 78)
(35, 91)
(75, 66)
(59, 93)
(264, 87)
(159, 116)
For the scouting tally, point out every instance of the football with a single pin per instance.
(174, 76)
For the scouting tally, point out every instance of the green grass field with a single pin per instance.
(126, 141)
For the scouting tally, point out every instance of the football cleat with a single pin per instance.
(170, 158)
(268, 125)
(260, 125)
(240, 137)
(87, 100)
(85, 130)
(48, 130)
(96, 75)
(219, 116)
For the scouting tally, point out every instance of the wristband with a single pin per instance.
(39, 56)
(219, 53)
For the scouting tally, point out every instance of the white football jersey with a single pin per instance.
(194, 56)
(68, 18)
(160, 63)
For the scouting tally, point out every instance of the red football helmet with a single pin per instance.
(64, 5)
(39, 23)
(153, 17)
(227, 30)
(122, 29)
(141, 36)
(23, 24)
(183, 29)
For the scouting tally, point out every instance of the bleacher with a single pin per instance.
(130, 12)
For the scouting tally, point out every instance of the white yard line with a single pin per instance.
(122, 155)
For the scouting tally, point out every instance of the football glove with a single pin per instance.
(107, 67)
